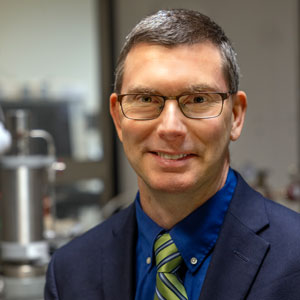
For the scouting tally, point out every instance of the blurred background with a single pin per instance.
(65, 171)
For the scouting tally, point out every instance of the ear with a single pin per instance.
(238, 114)
(116, 114)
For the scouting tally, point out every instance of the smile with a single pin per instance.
(171, 156)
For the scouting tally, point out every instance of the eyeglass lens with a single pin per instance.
(145, 106)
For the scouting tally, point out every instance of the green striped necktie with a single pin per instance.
(168, 261)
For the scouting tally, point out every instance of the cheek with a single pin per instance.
(128, 139)
(133, 134)
(216, 137)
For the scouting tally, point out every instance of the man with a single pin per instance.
(196, 230)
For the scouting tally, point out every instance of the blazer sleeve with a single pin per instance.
(50, 291)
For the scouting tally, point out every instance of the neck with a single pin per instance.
(167, 209)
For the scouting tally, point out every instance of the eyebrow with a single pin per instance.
(201, 88)
(141, 90)
(188, 90)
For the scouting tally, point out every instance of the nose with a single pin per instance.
(171, 125)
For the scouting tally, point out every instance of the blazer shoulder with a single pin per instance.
(77, 270)
(280, 210)
(257, 212)
(100, 234)
(281, 268)
(284, 221)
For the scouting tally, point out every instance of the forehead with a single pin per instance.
(171, 67)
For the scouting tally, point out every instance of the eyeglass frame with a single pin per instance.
(224, 96)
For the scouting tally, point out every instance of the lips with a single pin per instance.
(171, 156)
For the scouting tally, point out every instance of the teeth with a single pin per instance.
(170, 156)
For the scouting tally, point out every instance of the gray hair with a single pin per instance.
(175, 27)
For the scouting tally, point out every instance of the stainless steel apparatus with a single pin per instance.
(24, 185)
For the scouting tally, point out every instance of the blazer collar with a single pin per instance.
(248, 206)
(239, 251)
(119, 258)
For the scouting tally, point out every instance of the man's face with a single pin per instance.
(173, 153)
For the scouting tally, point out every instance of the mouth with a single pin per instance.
(172, 156)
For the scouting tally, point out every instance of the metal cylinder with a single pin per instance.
(23, 186)
(24, 179)
(23, 182)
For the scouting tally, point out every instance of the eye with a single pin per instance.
(145, 98)
(194, 99)
(198, 99)
(148, 99)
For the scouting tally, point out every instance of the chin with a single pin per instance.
(173, 187)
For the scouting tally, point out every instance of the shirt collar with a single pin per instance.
(193, 242)
(148, 230)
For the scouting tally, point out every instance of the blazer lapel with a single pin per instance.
(239, 251)
(118, 259)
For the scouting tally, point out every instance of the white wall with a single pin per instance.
(53, 45)
(265, 35)
(53, 41)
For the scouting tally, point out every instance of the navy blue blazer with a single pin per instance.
(256, 257)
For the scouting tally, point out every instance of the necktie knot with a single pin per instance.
(167, 256)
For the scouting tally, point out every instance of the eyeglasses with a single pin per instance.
(195, 106)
